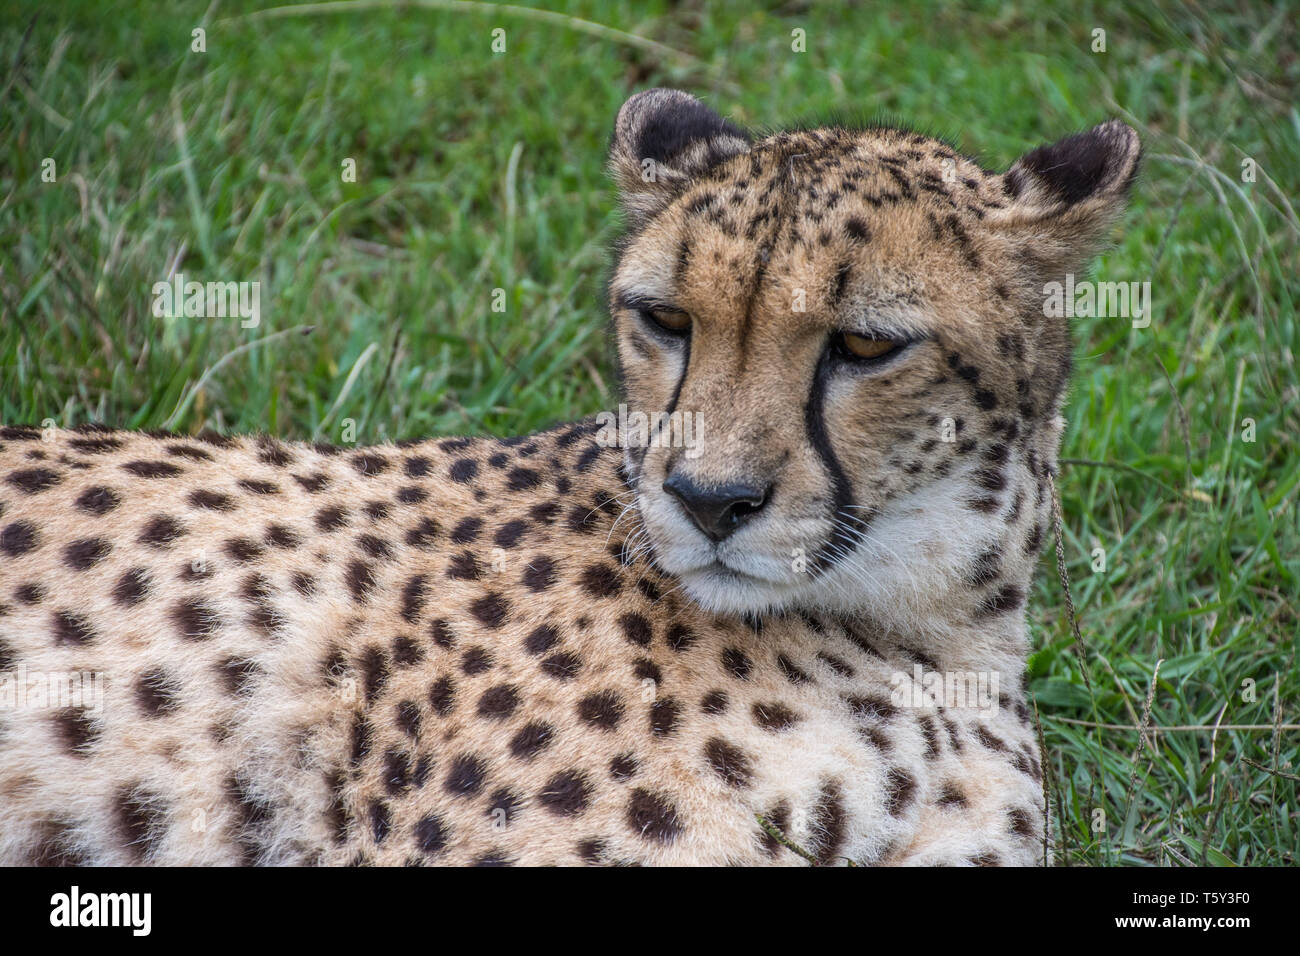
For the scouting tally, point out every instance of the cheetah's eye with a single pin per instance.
(864, 347)
(677, 323)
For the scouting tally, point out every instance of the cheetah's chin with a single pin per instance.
(722, 589)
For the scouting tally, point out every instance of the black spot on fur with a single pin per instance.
(381, 820)
(829, 824)
(244, 549)
(375, 547)
(985, 569)
(737, 663)
(476, 660)
(729, 762)
(363, 738)
(195, 619)
(278, 536)
(423, 534)
(540, 573)
(157, 693)
(32, 481)
(508, 534)
(465, 778)
(566, 793)
(467, 530)
(664, 714)
(412, 495)
(85, 552)
(653, 817)
(131, 588)
(900, 790)
(183, 451)
(373, 664)
(98, 500)
(397, 772)
(211, 500)
(542, 639)
(636, 629)
(360, 579)
(442, 696)
(152, 469)
(77, 729)
(989, 739)
(491, 610)
(238, 674)
(531, 739)
(836, 664)
(603, 709)
(369, 464)
(161, 531)
(523, 479)
(313, 483)
(715, 702)
(72, 629)
(563, 666)
(1004, 599)
(872, 707)
(406, 652)
(440, 633)
(775, 717)
(331, 518)
(143, 820)
(431, 834)
(464, 470)
(951, 796)
(1021, 822)
(779, 818)
(600, 580)
(414, 593)
(680, 638)
(499, 702)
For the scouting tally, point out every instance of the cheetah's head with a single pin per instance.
(853, 321)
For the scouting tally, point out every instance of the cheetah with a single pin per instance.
(578, 647)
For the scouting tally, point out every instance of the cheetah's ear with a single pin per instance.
(1064, 197)
(662, 138)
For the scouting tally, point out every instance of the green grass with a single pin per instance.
(479, 172)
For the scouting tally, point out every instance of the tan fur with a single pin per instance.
(509, 651)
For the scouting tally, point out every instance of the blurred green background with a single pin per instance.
(479, 171)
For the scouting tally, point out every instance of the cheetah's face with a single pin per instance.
(853, 322)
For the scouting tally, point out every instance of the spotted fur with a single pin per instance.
(523, 651)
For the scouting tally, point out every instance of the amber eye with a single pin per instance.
(675, 322)
(864, 347)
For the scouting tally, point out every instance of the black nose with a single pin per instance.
(718, 510)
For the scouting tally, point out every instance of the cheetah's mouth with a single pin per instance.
(719, 569)
(723, 588)
(721, 565)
